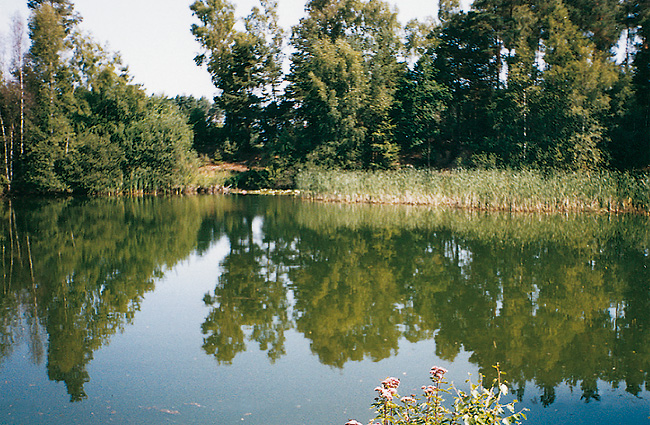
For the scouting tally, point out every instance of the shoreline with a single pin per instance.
(528, 191)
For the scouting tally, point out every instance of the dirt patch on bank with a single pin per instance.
(225, 166)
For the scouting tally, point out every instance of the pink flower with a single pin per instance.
(438, 373)
(390, 382)
(353, 422)
(386, 393)
(407, 400)
(388, 388)
(429, 390)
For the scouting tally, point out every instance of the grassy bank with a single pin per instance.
(211, 178)
(505, 190)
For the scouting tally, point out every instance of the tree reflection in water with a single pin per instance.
(77, 271)
(553, 299)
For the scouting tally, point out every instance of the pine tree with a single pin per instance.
(418, 112)
(467, 63)
(637, 148)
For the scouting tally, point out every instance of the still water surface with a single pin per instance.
(253, 310)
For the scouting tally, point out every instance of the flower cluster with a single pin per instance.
(409, 400)
(429, 390)
(390, 382)
(437, 373)
(481, 405)
(388, 388)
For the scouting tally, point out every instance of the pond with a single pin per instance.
(263, 310)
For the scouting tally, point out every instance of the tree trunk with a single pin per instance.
(21, 80)
(5, 144)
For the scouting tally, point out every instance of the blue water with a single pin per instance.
(153, 367)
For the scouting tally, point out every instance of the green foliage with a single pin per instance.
(63, 8)
(48, 81)
(633, 145)
(245, 67)
(418, 112)
(37, 172)
(333, 96)
(71, 120)
(573, 100)
(157, 149)
(505, 84)
(95, 166)
(88, 129)
(208, 178)
(343, 79)
(203, 116)
(250, 180)
(465, 64)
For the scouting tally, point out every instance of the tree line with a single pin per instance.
(510, 83)
(559, 84)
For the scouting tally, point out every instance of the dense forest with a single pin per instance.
(509, 83)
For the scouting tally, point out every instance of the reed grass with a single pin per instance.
(504, 190)
(207, 177)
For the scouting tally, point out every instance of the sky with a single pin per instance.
(154, 39)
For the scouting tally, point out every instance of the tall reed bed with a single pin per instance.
(508, 190)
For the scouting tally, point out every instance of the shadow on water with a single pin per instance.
(554, 299)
